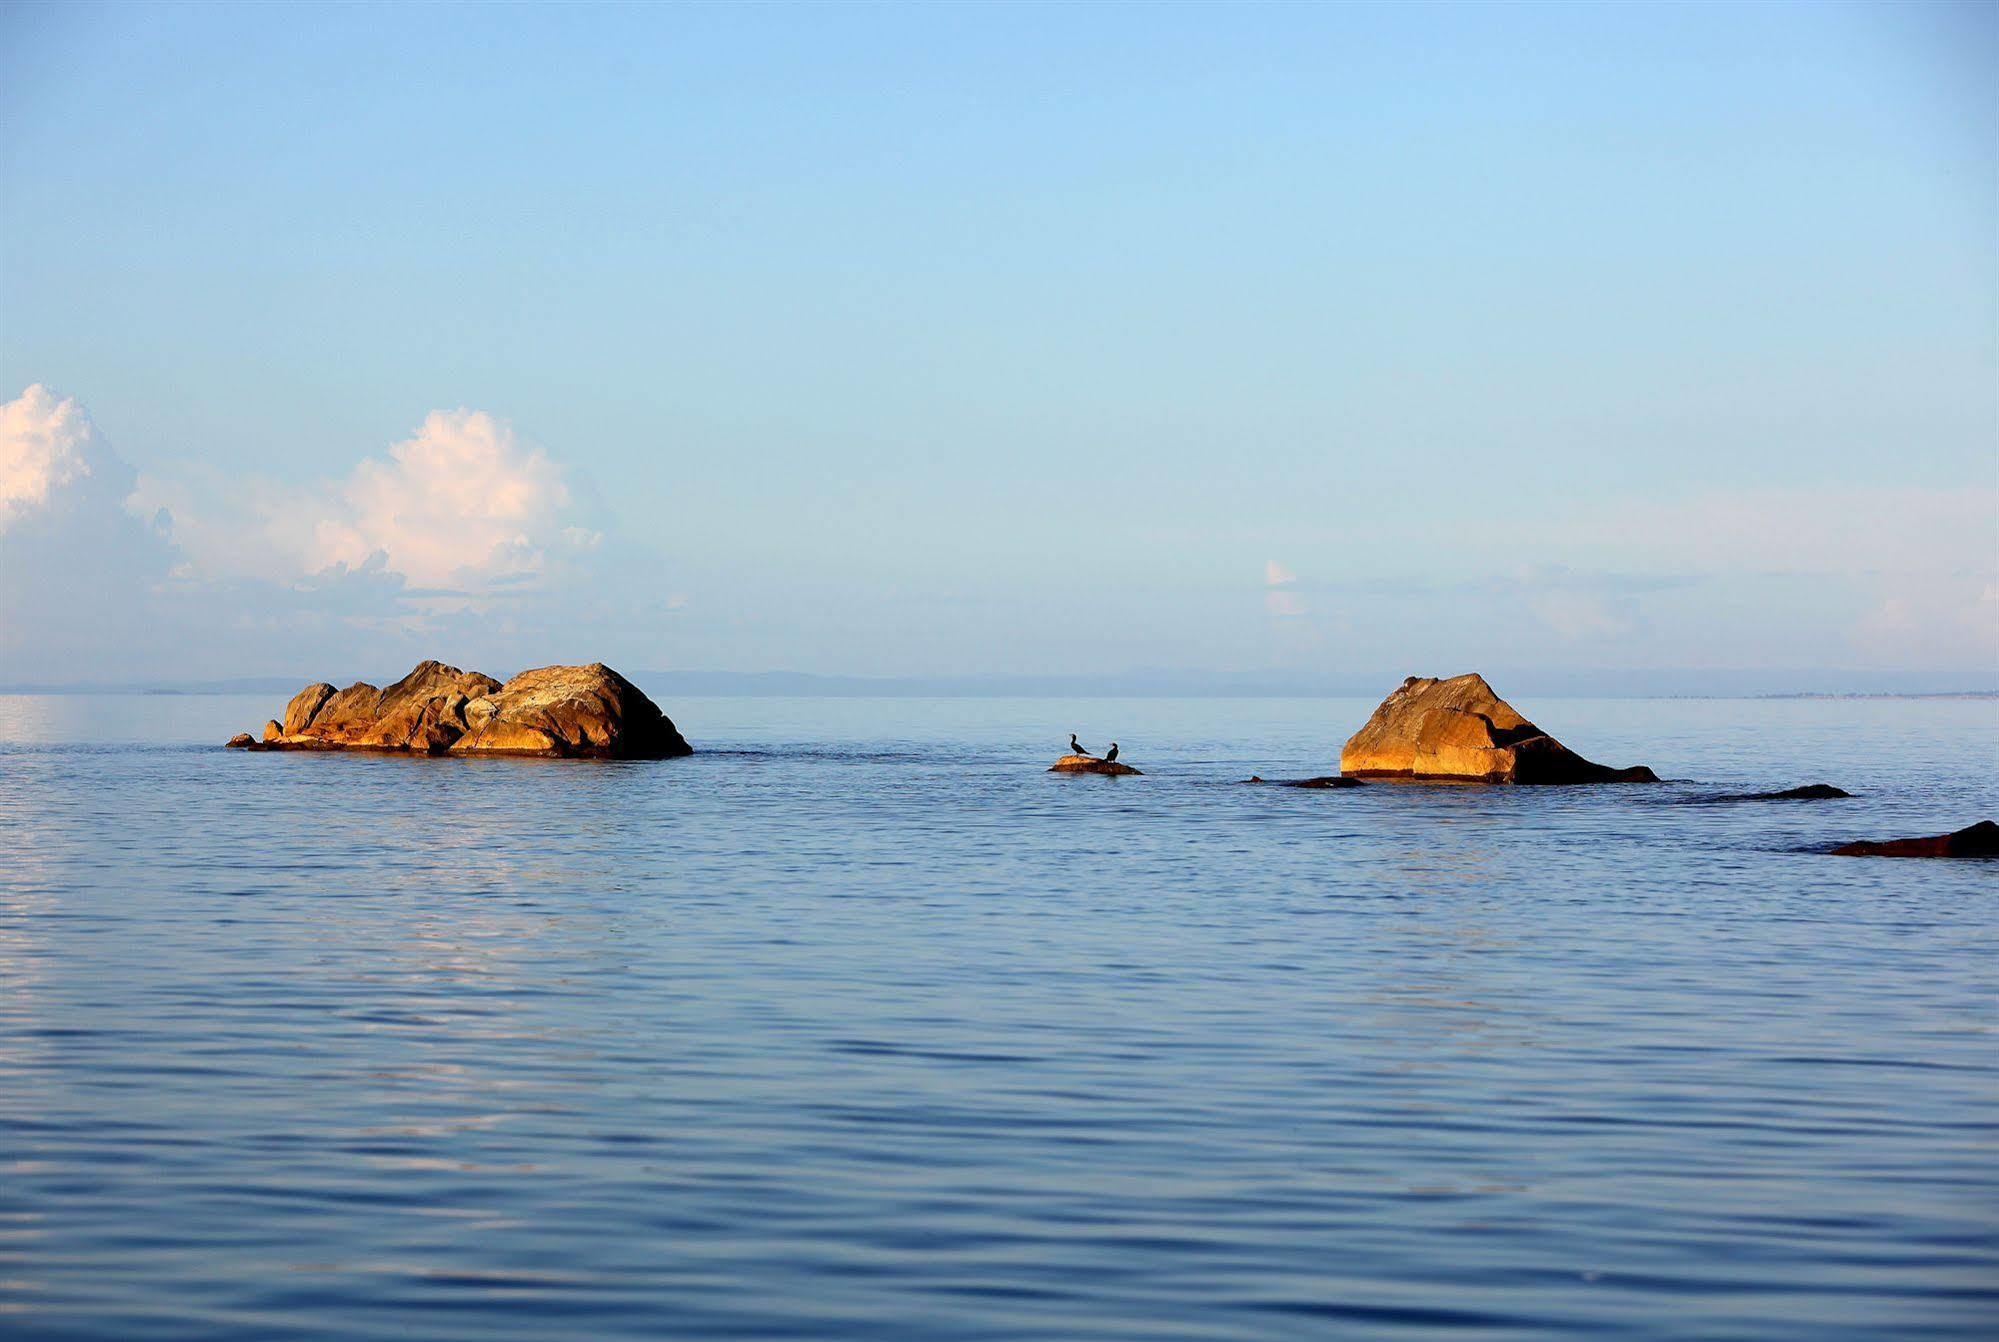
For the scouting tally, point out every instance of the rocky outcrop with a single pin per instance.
(1458, 730)
(1979, 840)
(1089, 764)
(575, 710)
(304, 704)
(438, 709)
(1329, 781)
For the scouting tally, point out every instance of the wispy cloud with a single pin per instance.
(1575, 615)
(1281, 601)
(1829, 529)
(1283, 605)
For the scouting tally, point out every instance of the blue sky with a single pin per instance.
(931, 340)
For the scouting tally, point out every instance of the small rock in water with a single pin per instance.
(1089, 764)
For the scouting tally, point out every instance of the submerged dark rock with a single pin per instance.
(1090, 764)
(1458, 730)
(1329, 781)
(1979, 840)
(1809, 792)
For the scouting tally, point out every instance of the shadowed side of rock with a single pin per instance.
(556, 711)
(1090, 764)
(1458, 730)
(1979, 840)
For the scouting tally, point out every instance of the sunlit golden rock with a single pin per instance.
(578, 710)
(307, 702)
(1458, 730)
(553, 710)
(1089, 764)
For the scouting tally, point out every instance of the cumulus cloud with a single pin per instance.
(51, 458)
(460, 541)
(79, 569)
(461, 507)
(461, 501)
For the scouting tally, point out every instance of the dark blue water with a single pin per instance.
(860, 1026)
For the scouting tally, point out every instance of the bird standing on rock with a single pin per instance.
(1111, 755)
(1075, 749)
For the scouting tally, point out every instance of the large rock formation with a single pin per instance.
(1089, 764)
(1979, 840)
(1459, 730)
(438, 709)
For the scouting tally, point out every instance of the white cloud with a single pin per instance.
(461, 506)
(78, 570)
(48, 447)
(460, 502)
(460, 541)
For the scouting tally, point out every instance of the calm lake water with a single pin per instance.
(858, 1025)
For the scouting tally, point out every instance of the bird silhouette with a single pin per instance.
(1111, 754)
(1075, 749)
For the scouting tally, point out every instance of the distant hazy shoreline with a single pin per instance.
(1137, 685)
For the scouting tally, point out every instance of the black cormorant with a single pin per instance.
(1075, 749)
(1111, 754)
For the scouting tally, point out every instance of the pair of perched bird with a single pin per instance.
(1076, 749)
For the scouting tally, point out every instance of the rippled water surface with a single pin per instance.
(858, 1025)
